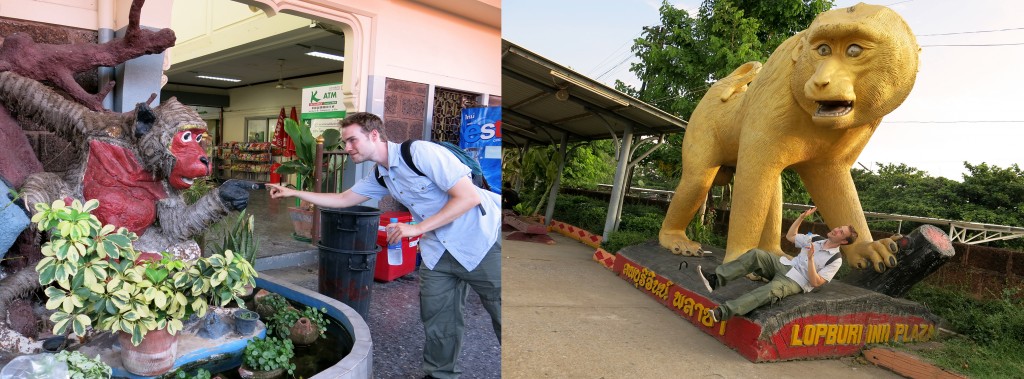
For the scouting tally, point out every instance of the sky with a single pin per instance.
(962, 107)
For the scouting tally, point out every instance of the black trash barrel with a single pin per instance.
(352, 228)
(348, 254)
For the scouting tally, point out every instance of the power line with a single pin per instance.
(614, 67)
(956, 122)
(969, 32)
(899, 2)
(976, 45)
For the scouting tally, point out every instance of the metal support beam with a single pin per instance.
(539, 122)
(614, 206)
(562, 155)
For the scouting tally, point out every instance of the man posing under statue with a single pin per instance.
(459, 222)
(817, 263)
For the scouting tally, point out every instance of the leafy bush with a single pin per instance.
(286, 317)
(622, 238)
(642, 223)
(581, 211)
(269, 354)
(82, 367)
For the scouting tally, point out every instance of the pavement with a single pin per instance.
(566, 316)
(394, 315)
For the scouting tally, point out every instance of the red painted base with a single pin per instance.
(785, 331)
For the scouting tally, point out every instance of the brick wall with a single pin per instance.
(405, 109)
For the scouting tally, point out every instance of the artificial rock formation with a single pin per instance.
(811, 107)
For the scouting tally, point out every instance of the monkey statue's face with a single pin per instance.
(854, 65)
(191, 160)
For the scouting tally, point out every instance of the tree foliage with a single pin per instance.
(681, 57)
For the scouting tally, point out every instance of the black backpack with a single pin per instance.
(476, 173)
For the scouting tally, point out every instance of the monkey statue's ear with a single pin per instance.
(144, 118)
(800, 46)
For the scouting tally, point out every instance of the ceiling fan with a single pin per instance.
(280, 77)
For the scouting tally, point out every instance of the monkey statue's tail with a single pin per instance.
(69, 119)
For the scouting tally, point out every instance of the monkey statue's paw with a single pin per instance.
(880, 254)
(235, 194)
(677, 242)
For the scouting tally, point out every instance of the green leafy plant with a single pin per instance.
(240, 238)
(93, 278)
(286, 317)
(83, 367)
(269, 354)
(305, 152)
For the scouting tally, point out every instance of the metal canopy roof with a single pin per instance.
(542, 100)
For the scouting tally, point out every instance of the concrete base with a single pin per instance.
(837, 320)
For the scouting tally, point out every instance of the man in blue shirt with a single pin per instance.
(460, 225)
(817, 263)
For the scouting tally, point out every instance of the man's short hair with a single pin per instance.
(853, 235)
(368, 121)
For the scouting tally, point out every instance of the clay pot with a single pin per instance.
(154, 356)
(262, 308)
(302, 221)
(303, 332)
(247, 373)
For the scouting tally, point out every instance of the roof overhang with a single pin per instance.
(543, 100)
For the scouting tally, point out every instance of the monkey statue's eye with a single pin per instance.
(854, 50)
(187, 136)
(824, 50)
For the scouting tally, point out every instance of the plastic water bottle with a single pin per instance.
(395, 250)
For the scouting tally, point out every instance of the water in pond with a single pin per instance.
(319, 356)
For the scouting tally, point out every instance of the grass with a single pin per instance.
(990, 343)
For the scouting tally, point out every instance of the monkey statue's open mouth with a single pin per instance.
(833, 108)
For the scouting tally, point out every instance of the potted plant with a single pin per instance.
(245, 321)
(268, 303)
(94, 280)
(267, 358)
(303, 167)
(301, 327)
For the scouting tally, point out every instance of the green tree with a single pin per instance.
(991, 194)
(901, 189)
(681, 57)
(589, 164)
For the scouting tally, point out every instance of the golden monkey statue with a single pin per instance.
(812, 106)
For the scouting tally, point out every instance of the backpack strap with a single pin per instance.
(407, 157)
(833, 259)
(380, 178)
(406, 148)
